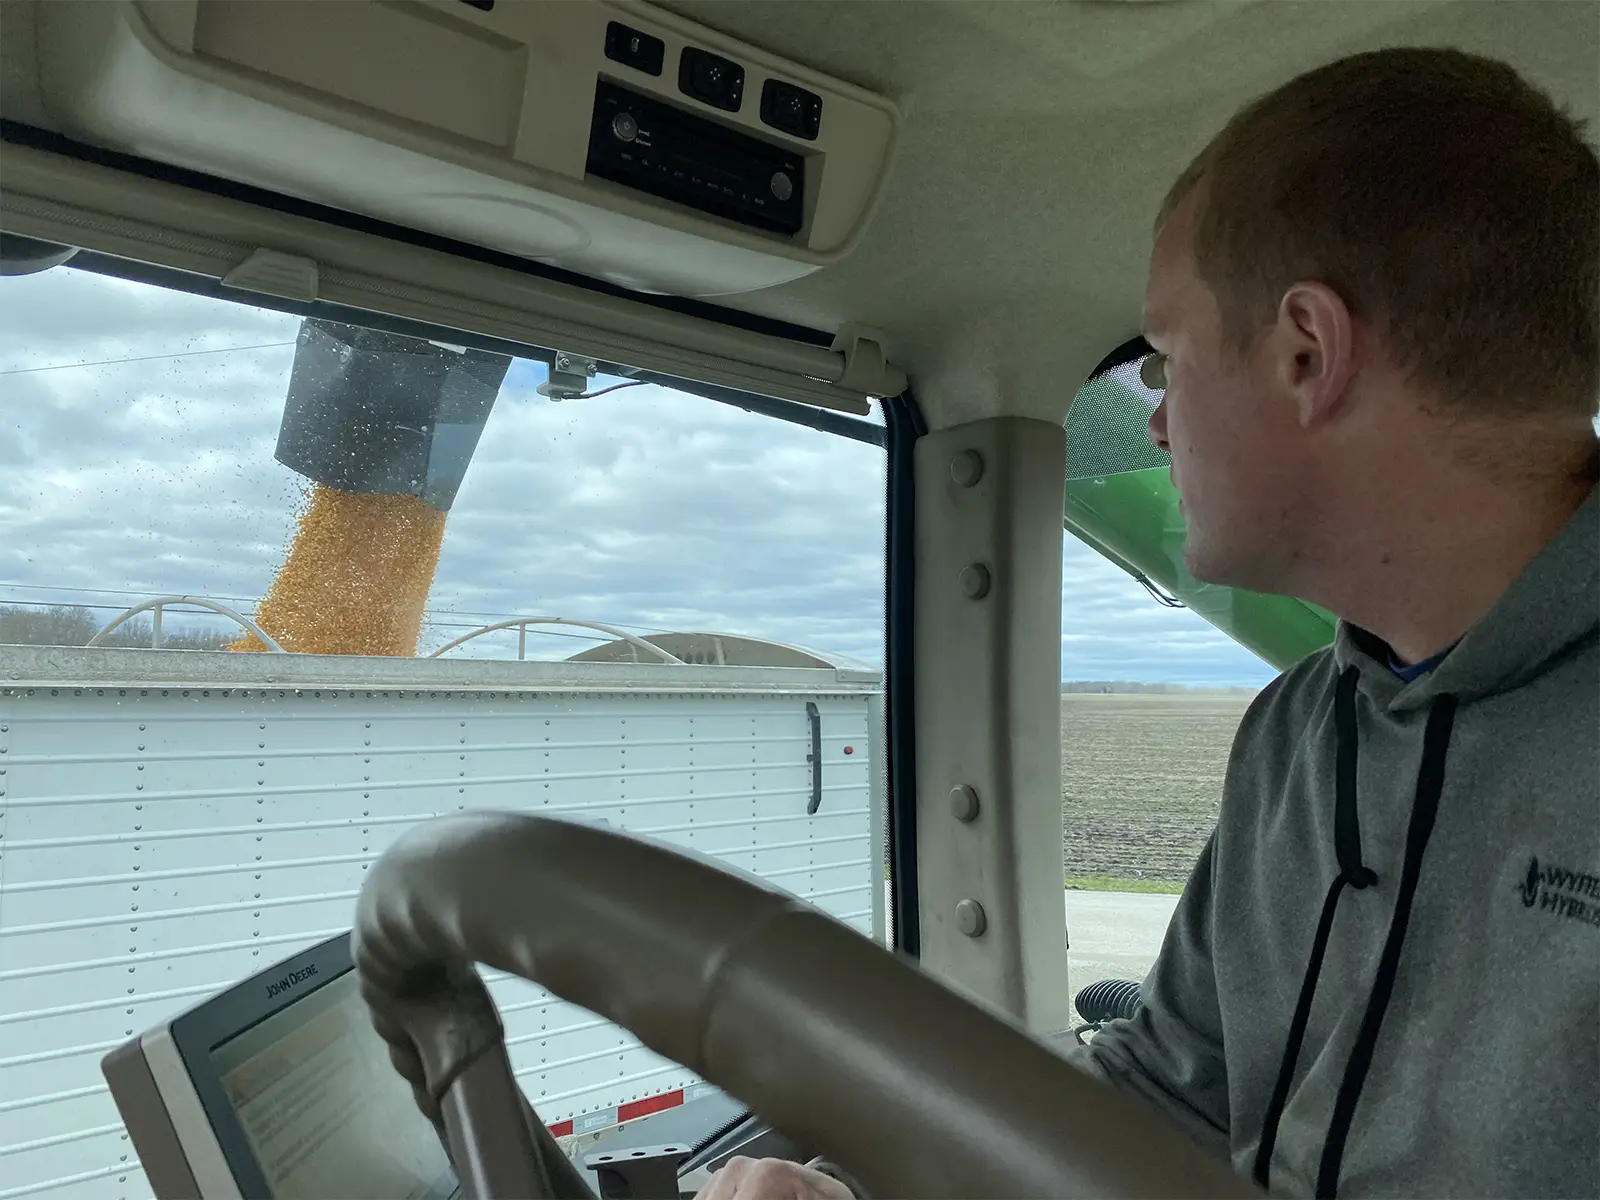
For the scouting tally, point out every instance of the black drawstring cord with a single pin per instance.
(1352, 872)
(1430, 784)
(1347, 844)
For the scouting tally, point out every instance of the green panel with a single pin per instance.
(1121, 503)
(1133, 519)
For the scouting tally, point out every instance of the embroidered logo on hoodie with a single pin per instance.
(1561, 891)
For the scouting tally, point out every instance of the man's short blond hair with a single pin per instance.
(1451, 204)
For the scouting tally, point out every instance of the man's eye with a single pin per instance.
(1153, 372)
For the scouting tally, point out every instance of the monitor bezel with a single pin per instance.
(201, 1030)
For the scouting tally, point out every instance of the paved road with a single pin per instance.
(1114, 935)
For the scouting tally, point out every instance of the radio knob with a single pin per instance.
(782, 185)
(625, 126)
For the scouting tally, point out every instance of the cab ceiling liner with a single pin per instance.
(604, 137)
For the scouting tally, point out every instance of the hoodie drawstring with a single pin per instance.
(1347, 846)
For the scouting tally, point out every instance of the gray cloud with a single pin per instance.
(645, 508)
(59, 316)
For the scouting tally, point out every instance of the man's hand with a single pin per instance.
(771, 1179)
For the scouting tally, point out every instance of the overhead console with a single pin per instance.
(658, 148)
(603, 136)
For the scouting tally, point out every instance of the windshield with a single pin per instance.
(309, 579)
(145, 441)
(1121, 504)
(1157, 670)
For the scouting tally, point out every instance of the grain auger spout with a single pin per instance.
(383, 426)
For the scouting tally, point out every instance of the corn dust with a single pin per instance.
(356, 577)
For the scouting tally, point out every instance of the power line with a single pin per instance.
(107, 362)
(91, 591)
(532, 632)
(252, 600)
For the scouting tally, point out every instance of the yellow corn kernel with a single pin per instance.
(356, 577)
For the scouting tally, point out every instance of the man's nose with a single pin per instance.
(1158, 426)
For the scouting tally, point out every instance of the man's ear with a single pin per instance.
(1315, 350)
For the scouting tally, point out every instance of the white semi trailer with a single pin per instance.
(172, 821)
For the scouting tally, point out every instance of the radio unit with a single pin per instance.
(640, 142)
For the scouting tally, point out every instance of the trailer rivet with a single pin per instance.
(970, 918)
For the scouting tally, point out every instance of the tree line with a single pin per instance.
(75, 624)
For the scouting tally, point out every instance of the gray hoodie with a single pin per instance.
(1383, 977)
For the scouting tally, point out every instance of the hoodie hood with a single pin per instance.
(1549, 610)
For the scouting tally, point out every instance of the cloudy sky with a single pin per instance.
(645, 509)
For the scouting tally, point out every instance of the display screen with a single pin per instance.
(324, 1111)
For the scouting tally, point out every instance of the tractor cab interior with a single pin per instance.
(921, 227)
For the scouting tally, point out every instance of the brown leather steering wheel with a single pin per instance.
(833, 1039)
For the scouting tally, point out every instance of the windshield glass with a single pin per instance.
(145, 436)
(1122, 506)
(253, 531)
(1157, 670)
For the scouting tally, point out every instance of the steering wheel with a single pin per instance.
(842, 1044)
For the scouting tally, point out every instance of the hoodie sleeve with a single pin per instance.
(1170, 1053)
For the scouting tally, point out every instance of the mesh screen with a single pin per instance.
(1106, 426)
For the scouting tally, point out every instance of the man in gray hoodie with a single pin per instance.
(1374, 297)
(1375, 300)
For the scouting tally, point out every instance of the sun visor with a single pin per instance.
(614, 140)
